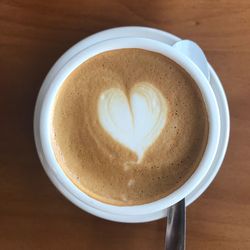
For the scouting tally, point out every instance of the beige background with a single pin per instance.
(33, 34)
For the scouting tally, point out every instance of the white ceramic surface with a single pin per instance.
(195, 53)
(71, 59)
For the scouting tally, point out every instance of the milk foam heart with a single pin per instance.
(136, 120)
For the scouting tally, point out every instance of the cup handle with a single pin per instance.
(191, 50)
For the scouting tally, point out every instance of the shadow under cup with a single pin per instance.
(43, 115)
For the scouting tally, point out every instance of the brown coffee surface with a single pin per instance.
(104, 168)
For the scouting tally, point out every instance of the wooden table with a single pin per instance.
(33, 34)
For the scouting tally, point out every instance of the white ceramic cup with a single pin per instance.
(43, 112)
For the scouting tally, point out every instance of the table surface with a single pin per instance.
(33, 34)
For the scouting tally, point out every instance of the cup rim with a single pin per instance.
(188, 66)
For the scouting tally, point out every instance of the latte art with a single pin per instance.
(136, 120)
(129, 127)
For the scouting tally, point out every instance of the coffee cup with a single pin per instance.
(62, 182)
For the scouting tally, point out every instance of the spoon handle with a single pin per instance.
(176, 227)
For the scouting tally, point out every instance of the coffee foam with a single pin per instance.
(136, 120)
(129, 127)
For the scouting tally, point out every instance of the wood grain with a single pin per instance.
(33, 34)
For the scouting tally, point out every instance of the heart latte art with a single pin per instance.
(129, 127)
(135, 121)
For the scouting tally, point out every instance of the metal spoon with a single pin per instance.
(176, 227)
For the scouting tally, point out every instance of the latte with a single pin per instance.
(129, 127)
